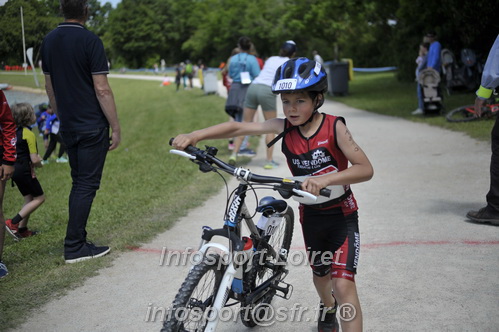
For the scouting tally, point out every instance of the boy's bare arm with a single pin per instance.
(361, 169)
(228, 130)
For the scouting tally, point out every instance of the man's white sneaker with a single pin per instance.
(418, 111)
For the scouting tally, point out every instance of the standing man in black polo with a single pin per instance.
(76, 68)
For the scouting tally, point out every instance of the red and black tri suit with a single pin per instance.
(8, 133)
(331, 229)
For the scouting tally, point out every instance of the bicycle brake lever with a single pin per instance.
(305, 194)
(182, 154)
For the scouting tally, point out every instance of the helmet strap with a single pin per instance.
(318, 104)
(310, 118)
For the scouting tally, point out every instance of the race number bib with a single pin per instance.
(286, 84)
(245, 77)
(269, 225)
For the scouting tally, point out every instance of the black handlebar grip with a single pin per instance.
(325, 192)
(189, 149)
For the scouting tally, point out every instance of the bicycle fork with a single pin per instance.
(226, 283)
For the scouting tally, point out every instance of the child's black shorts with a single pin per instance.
(26, 184)
(332, 241)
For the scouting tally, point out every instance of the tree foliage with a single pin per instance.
(134, 32)
(39, 18)
(373, 33)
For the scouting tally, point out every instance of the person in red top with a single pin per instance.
(320, 148)
(8, 153)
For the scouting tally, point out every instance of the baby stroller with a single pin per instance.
(429, 79)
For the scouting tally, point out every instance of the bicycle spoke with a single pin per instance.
(205, 289)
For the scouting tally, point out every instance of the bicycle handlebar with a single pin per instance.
(286, 187)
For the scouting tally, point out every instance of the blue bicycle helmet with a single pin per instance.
(300, 74)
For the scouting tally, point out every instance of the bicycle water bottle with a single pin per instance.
(242, 258)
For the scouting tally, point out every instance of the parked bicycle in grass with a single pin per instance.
(489, 110)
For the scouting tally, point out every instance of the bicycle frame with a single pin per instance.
(237, 211)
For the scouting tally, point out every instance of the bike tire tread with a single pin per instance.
(187, 288)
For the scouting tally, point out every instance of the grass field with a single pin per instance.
(382, 93)
(145, 189)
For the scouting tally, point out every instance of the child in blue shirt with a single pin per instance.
(52, 131)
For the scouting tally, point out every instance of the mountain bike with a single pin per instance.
(490, 109)
(250, 270)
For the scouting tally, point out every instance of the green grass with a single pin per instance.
(382, 93)
(20, 79)
(144, 188)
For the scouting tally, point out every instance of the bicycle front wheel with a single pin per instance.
(462, 114)
(196, 295)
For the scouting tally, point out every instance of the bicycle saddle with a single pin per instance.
(269, 205)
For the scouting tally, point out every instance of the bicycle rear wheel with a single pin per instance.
(265, 266)
(462, 114)
(195, 297)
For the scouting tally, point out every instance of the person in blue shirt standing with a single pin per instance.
(434, 61)
(490, 81)
(260, 94)
(434, 57)
(243, 68)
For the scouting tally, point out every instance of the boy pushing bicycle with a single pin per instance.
(320, 147)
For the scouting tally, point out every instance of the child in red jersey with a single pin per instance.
(320, 148)
(7, 160)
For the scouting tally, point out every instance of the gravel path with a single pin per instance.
(25, 95)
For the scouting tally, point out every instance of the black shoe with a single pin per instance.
(87, 251)
(327, 320)
(246, 152)
(3, 270)
(484, 215)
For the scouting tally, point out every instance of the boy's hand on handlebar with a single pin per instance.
(314, 185)
(183, 140)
